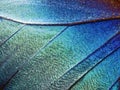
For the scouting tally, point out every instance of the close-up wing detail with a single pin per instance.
(58, 11)
(59, 44)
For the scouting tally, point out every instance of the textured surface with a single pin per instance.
(58, 11)
(41, 50)
(72, 46)
(22, 46)
(7, 28)
(82, 68)
(102, 76)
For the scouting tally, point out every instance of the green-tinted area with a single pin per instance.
(22, 46)
(7, 28)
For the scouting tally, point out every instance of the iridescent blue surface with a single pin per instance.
(71, 47)
(102, 76)
(58, 11)
(59, 44)
(85, 66)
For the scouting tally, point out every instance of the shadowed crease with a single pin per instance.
(117, 81)
(63, 24)
(11, 36)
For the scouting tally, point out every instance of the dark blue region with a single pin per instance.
(1, 19)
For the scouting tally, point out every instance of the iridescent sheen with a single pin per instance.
(58, 11)
(59, 44)
(71, 47)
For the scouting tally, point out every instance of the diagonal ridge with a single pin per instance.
(67, 80)
(49, 42)
(11, 35)
(111, 87)
(63, 24)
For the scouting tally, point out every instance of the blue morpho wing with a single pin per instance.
(58, 11)
(58, 57)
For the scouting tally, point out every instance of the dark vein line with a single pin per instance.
(11, 36)
(4, 85)
(93, 68)
(98, 49)
(62, 78)
(62, 24)
(49, 42)
(118, 80)
(20, 67)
